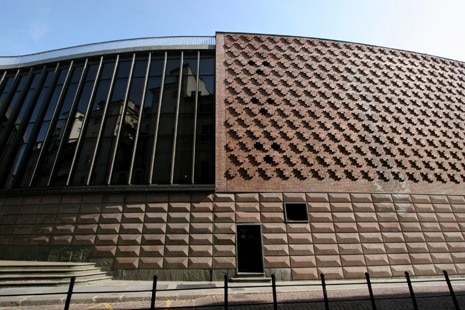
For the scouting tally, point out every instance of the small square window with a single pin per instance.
(296, 212)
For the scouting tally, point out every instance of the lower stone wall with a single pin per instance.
(192, 236)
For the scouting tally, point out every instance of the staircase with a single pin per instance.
(34, 273)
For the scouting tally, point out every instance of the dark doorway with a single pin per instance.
(249, 248)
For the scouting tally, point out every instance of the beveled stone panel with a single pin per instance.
(106, 239)
(343, 217)
(453, 236)
(271, 207)
(202, 207)
(276, 249)
(353, 260)
(303, 261)
(128, 251)
(84, 239)
(376, 260)
(322, 217)
(424, 270)
(224, 217)
(181, 207)
(176, 251)
(175, 263)
(150, 263)
(201, 217)
(247, 217)
(126, 263)
(223, 197)
(326, 249)
(322, 227)
(331, 272)
(129, 239)
(152, 250)
(220, 262)
(271, 197)
(354, 272)
(224, 250)
(153, 239)
(201, 228)
(224, 228)
(366, 217)
(294, 197)
(200, 262)
(395, 248)
(410, 226)
(155, 217)
(304, 274)
(154, 228)
(399, 259)
(393, 237)
(347, 238)
(368, 227)
(438, 247)
(131, 228)
(350, 248)
(379, 271)
(178, 217)
(247, 197)
(299, 238)
(346, 227)
(133, 218)
(247, 207)
(367, 207)
(373, 248)
(371, 237)
(417, 247)
(104, 251)
(277, 262)
(224, 207)
(389, 226)
(442, 258)
(201, 250)
(200, 239)
(298, 228)
(177, 228)
(318, 207)
(224, 239)
(301, 249)
(420, 258)
(387, 216)
(134, 207)
(275, 238)
(156, 207)
(324, 238)
(271, 217)
(177, 239)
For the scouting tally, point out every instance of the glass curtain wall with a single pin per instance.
(144, 118)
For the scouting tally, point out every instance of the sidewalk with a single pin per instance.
(114, 294)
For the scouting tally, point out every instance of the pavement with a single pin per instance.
(431, 293)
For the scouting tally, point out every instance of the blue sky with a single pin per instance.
(435, 27)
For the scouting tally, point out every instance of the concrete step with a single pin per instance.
(29, 273)
(250, 277)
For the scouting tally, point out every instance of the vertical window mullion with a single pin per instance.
(176, 120)
(194, 139)
(85, 121)
(102, 122)
(123, 115)
(53, 121)
(68, 122)
(139, 119)
(2, 80)
(11, 92)
(157, 124)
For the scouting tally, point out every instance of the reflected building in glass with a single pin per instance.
(239, 154)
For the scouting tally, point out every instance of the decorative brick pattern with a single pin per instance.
(338, 115)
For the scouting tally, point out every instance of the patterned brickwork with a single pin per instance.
(346, 235)
(309, 114)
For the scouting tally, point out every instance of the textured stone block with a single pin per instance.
(420, 199)
(175, 263)
(341, 207)
(224, 262)
(317, 197)
(153, 239)
(200, 262)
(324, 238)
(152, 250)
(399, 270)
(363, 198)
(331, 272)
(106, 239)
(277, 262)
(126, 263)
(294, 197)
(389, 226)
(438, 208)
(318, 207)
(346, 227)
(301, 249)
(224, 217)
(417, 247)
(453, 236)
(133, 218)
(450, 268)
(178, 217)
(128, 251)
(371, 237)
(275, 239)
(424, 270)
(458, 208)
(201, 217)
(305, 238)
(343, 217)
(248, 217)
(220, 197)
(424, 207)
(60, 240)
(363, 207)
(154, 228)
(339, 197)
(64, 229)
(434, 236)
(456, 199)
(348, 238)
(354, 272)
(449, 227)
(353, 260)
(150, 263)
(156, 207)
(276, 249)
(304, 274)
(131, 228)
(204, 239)
(442, 258)
(104, 251)
(366, 217)
(271, 207)
(395, 248)
(379, 271)
(385, 207)
(224, 228)
(399, 259)
(202, 207)
(373, 248)
(430, 226)
(458, 257)
(134, 208)
(376, 260)
(224, 250)
(272, 217)
(350, 248)
(271, 197)
(410, 226)
(298, 228)
(325, 217)
(156, 217)
(303, 261)
(224, 239)
(247, 207)
(407, 217)
(393, 237)
(326, 249)
(201, 228)
(177, 239)
(177, 228)
(129, 239)
(84, 239)
(421, 258)
(176, 250)
(181, 207)
(322, 227)
(274, 227)
(368, 227)
(247, 197)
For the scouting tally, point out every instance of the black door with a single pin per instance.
(249, 248)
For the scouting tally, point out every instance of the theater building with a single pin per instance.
(238, 154)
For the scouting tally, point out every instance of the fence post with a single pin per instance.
(154, 292)
(370, 290)
(412, 293)
(451, 290)
(273, 285)
(325, 294)
(226, 292)
(70, 293)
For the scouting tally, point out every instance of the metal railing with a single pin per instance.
(226, 303)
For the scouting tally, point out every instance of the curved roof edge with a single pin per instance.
(160, 43)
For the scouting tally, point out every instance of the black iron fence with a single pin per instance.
(324, 300)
